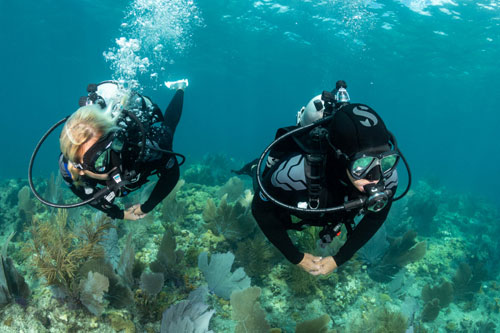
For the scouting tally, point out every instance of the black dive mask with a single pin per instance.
(373, 166)
(103, 156)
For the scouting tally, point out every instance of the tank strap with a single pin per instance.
(314, 173)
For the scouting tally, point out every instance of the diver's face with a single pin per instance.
(83, 149)
(358, 184)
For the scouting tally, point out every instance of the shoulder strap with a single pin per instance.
(314, 173)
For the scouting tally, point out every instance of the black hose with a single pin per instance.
(409, 178)
(274, 200)
(104, 191)
(30, 175)
(346, 206)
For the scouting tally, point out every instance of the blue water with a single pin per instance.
(428, 67)
(430, 70)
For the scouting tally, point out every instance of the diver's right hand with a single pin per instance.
(310, 264)
(131, 213)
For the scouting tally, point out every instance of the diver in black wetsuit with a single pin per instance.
(120, 135)
(350, 162)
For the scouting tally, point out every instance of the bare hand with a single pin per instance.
(310, 264)
(134, 213)
(328, 265)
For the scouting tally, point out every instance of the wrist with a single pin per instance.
(298, 259)
(145, 208)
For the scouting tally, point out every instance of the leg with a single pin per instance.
(174, 110)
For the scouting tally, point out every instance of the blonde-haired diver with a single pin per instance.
(116, 140)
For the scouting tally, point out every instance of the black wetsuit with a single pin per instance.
(286, 181)
(159, 133)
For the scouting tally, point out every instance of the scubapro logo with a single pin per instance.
(362, 112)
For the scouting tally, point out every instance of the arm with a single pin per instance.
(86, 191)
(166, 182)
(272, 221)
(365, 230)
(368, 226)
(110, 209)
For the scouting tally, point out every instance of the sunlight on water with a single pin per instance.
(420, 6)
(153, 33)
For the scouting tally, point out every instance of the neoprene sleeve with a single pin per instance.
(272, 224)
(365, 230)
(111, 210)
(163, 186)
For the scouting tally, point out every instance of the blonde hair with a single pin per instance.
(86, 123)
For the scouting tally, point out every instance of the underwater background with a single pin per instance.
(428, 67)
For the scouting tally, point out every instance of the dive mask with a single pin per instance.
(103, 156)
(373, 166)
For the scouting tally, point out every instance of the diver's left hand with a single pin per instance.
(327, 265)
(136, 212)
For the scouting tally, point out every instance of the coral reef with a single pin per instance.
(26, 209)
(169, 259)
(59, 256)
(26, 204)
(235, 221)
(443, 292)
(53, 191)
(467, 281)
(256, 255)
(423, 204)
(92, 290)
(151, 283)
(300, 282)
(380, 321)
(233, 188)
(12, 284)
(188, 316)
(218, 273)
(373, 251)
(173, 210)
(125, 267)
(402, 251)
(318, 325)
(431, 310)
(247, 311)
(119, 293)
(458, 267)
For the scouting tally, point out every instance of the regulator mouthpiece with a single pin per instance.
(377, 198)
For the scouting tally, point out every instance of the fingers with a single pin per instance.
(308, 263)
(315, 273)
(134, 213)
(138, 211)
(319, 265)
(322, 270)
(137, 216)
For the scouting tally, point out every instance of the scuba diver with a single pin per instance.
(113, 143)
(339, 163)
(313, 111)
